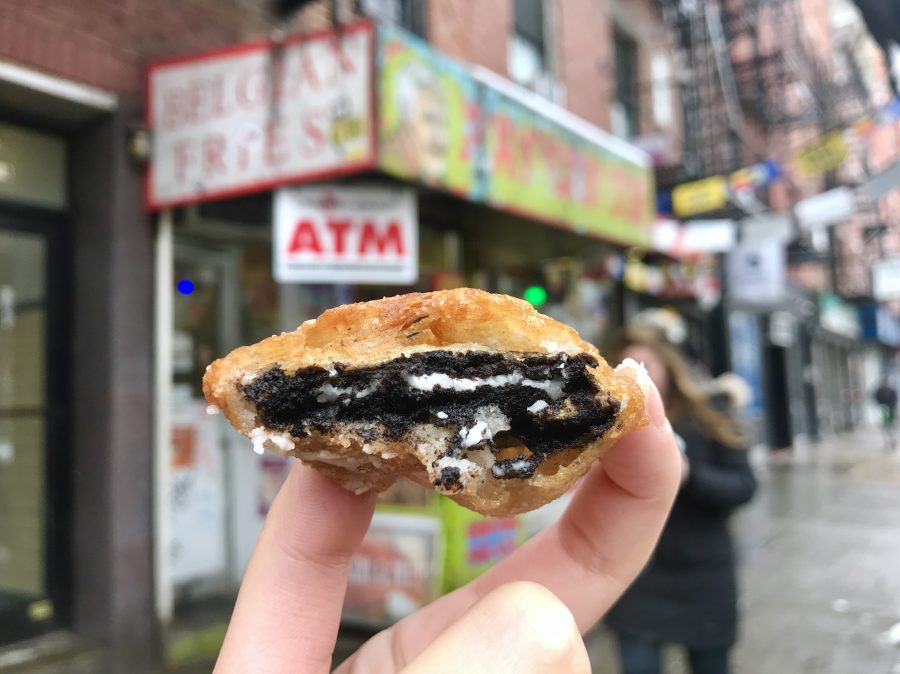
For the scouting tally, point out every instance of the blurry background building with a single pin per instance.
(552, 150)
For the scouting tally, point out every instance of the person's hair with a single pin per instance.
(685, 397)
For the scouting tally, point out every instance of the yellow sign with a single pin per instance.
(700, 196)
(822, 155)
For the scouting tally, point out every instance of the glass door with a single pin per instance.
(33, 451)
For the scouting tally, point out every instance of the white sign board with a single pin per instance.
(756, 272)
(826, 208)
(886, 279)
(335, 234)
(256, 116)
(709, 236)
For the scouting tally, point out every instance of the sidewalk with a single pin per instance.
(820, 549)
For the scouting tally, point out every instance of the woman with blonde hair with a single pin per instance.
(687, 594)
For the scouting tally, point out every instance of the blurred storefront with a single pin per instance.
(838, 357)
(504, 191)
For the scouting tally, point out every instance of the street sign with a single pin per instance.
(700, 196)
(822, 155)
(256, 116)
(826, 208)
(886, 279)
(336, 234)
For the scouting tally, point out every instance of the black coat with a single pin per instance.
(688, 592)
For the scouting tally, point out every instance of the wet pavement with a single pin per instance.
(820, 549)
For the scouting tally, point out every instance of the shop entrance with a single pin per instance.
(224, 296)
(34, 450)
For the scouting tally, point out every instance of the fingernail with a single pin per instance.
(652, 401)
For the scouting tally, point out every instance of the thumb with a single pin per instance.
(519, 627)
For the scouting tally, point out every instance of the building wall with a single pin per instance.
(472, 30)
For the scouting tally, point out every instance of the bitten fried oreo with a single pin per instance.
(476, 395)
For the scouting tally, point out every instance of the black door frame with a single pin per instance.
(30, 619)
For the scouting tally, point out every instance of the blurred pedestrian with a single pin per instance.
(886, 397)
(687, 594)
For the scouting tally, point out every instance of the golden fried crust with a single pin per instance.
(371, 333)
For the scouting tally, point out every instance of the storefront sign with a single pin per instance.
(197, 548)
(878, 324)
(700, 196)
(826, 208)
(822, 155)
(767, 226)
(757, 272)
(709, 236)
(256, 116)
(837, 316)
(755, 176)
(746, 354)
(335, 234)
(428, 123)
(540, 166)
(886, 279)
(396, 570)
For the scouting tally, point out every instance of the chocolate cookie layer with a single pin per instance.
(550, 403)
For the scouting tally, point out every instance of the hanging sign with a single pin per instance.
(256, 116)
(335, 234)
(700, 196)
(753, 177)
(822, 155)
(826, 208)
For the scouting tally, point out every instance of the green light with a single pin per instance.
(535, 295)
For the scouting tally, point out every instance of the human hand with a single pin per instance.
(524, 615)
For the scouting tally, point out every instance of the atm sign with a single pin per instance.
(329, 234)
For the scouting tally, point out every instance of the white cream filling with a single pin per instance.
(518, 464)
(212, 409)
(537, 406)
(467, 469)
(329, 393)
(441, 415)
(259, 436)
(488, 421)
(429, 382)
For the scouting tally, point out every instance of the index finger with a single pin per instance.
(289, 607)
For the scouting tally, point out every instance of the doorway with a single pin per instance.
(34, 440)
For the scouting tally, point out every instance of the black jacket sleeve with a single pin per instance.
(720, 477)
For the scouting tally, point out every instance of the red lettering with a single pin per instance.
(275, 146)
(371, 237)
(504, 155)
(213, 154)
(218, 96)
(526, 142)
(565, 168)
(338, 231)
(183, 158)
(304, 239)
(307, 72)
(343, 58)
(251, 88)
(248, 147)
(467, 149)
(591, 181)
(314, 138)
(173, 103)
